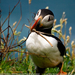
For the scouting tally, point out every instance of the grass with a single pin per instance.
(26, 65)
(23, 64)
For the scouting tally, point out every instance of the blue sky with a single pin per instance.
(57, 6)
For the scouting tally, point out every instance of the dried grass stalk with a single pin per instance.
(40, 35)
(29, 1)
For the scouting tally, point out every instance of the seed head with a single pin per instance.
(29, 1)
(70, 30)
(47, 7)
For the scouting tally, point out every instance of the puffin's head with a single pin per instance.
(43, 20)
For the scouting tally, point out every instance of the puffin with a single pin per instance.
(42, 53)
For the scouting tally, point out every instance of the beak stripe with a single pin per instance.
(34, 25)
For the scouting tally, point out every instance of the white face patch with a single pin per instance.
(38, 14)
(47, 21)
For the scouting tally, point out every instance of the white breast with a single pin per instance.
(43, 54)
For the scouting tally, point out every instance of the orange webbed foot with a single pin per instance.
(62, 73)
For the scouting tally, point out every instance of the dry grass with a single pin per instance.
(10, 44)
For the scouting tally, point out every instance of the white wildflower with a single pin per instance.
(72, 43)
(64, 56)
(29, 1)
(67, 54)
(17, 33)
(70, 30)
(68, 39)
(61, 21)
(47, 7)
(59, 31)
(24, 38)
(65, 22)
(63, 13)
(64, 36)
(14, 23)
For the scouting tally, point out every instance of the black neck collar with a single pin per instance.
(48, 30)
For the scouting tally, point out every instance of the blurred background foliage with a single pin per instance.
(14, 58)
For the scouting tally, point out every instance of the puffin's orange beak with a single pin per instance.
(35, 24)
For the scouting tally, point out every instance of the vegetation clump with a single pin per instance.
(10, 45)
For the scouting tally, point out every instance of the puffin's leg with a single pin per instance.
(40, 71)
(61, 71)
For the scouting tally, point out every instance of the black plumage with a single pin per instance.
(45, 12)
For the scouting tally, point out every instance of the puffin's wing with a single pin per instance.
(60, 46)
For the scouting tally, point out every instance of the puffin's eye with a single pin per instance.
(37, 13)
(49, 18)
